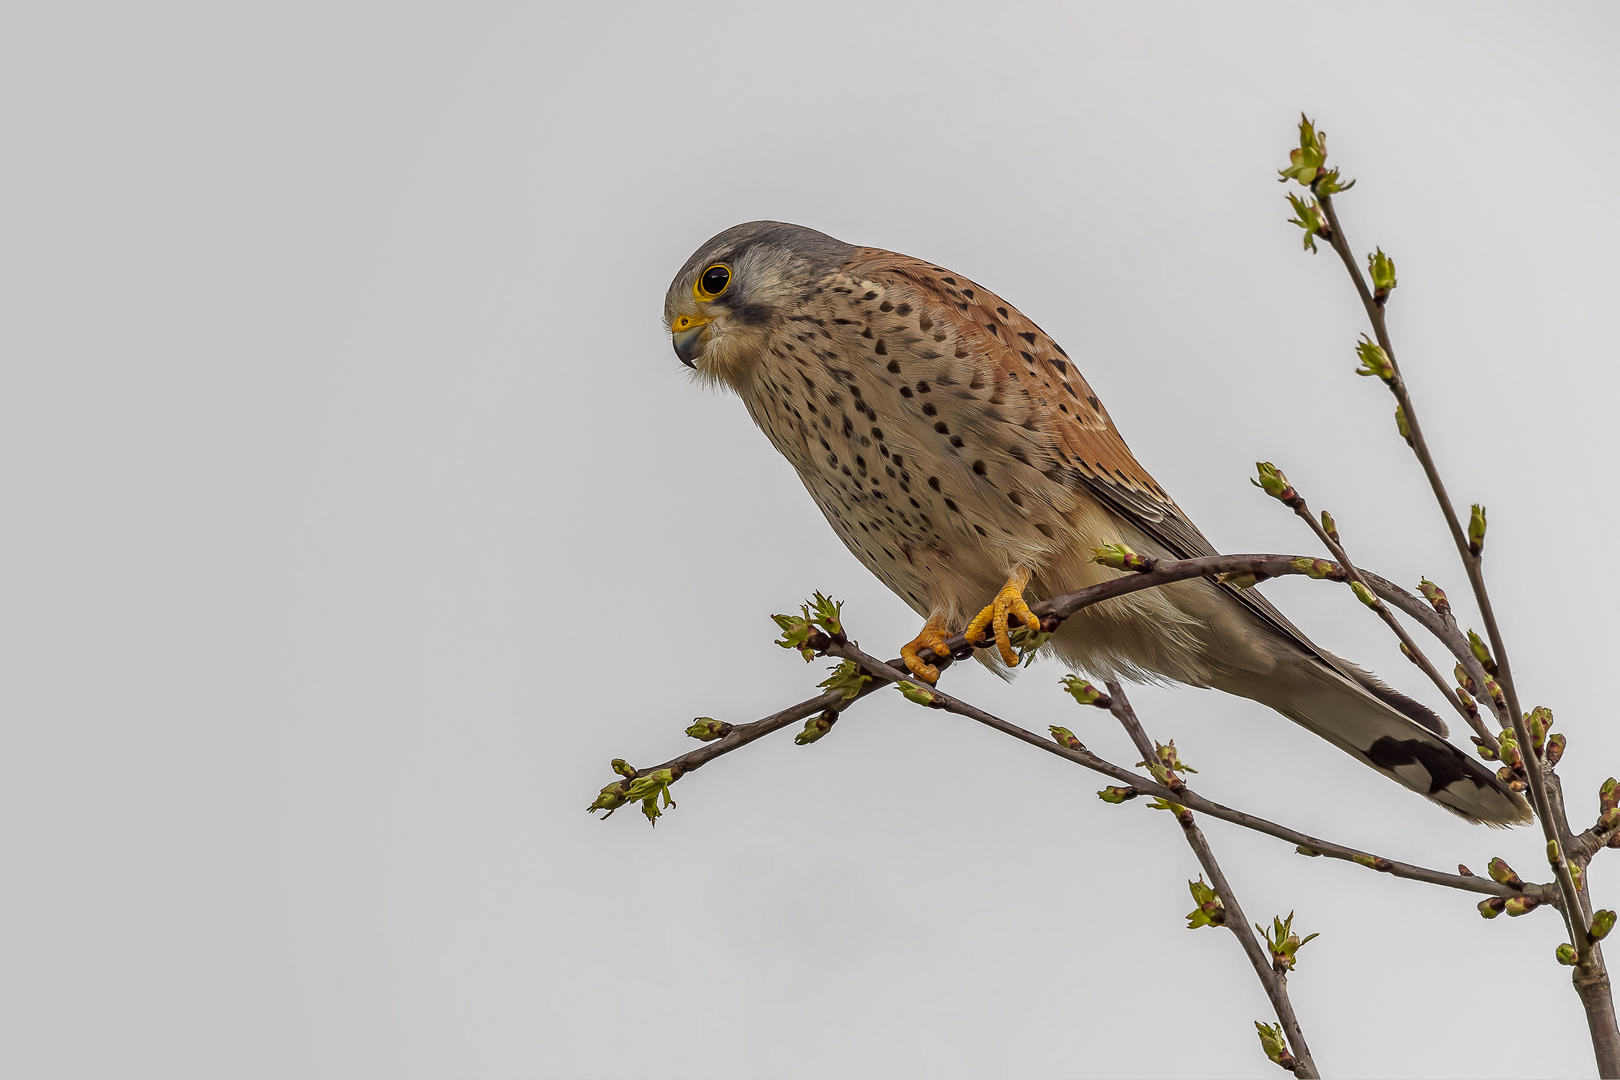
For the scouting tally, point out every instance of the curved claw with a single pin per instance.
(932, 637)
(1009, 603)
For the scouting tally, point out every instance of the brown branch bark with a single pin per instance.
(1591, 977)
(1054, 611)
(1414, 653)
(894, 672)
(1274, 982)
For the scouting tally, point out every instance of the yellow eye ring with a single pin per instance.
(712, 282)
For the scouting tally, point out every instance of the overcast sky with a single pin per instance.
(358, 512)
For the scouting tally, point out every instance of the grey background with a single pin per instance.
(357, 512)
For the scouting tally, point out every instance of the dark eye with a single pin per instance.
(713, 282)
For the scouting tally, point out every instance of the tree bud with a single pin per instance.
(1503, 874)
(1085, 693)
(1381, 268)
(1374, 360)
(1476, 530)
(708, 729)
(1435, 595)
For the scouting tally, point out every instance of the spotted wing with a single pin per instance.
(1070, 438)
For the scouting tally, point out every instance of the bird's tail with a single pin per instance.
(1353, 710)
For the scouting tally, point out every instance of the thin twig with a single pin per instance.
(1052, 613)
(1444, 627)
(1413, 652)
(895, 672)
(1591, 978)
(1066, 605)
(1274, 982)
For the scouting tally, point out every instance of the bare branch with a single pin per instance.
(1591, 978)
(1410, 647)
(1311, 845)
(1274, 982)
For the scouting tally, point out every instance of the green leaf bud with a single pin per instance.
(1084, 693)
(1066, 738)
(1308, 216)
(1435, 595)
(827, 613)
(1274, 1046)
(1521, 905)
(610, 799)
(1166, 755)
(1275, 483)
(917, 694)
(708, 729)
(847, 679)
(653, 785)
(1305, 163)
(1121, 557)
(1503, 874)
(795, 635)
(1381, 268)
(1476, 530)
(1283, 942)
(1374, 360)
(1318, 569)
(816, 727)
(1210, 910)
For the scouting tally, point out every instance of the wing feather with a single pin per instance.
(1083, 449)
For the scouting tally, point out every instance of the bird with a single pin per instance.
(959, 453)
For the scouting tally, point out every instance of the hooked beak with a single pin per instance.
(689, 336)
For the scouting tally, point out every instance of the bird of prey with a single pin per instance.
(958, 452)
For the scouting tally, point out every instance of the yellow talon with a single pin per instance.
(1009, 603)
(932, 637)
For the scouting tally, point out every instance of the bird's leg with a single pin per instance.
(932, 637)
(1009, 603)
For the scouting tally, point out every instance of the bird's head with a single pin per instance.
(735, 290)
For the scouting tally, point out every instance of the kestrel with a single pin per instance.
(960, 455)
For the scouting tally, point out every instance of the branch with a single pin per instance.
(1291, 498)
(1312, 846)
(1274, 982)
(1591, 978)
(1052, 613)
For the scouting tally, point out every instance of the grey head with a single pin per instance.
(734, 288)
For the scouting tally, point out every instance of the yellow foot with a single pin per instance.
(932, 637)
(1009, 603)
